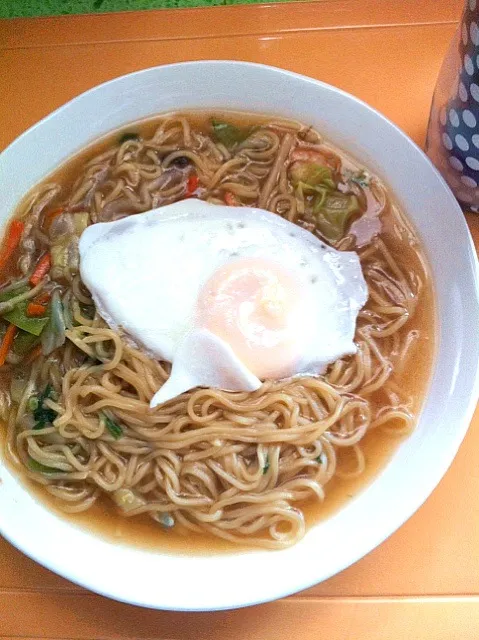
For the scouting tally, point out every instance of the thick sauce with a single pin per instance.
(412, 378)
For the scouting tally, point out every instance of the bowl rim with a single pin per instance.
(279, 590)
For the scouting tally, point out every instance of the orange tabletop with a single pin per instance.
(423, 582)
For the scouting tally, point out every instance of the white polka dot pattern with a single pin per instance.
(461, 142)
(447, 142)
(468, 64)
(471, 162)
(469, 182)
(456, 163)
(474, 89)
(469, 118)
(454, 146)
(454, 118)
(474, 32)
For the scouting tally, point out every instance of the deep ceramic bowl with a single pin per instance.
(167, 581)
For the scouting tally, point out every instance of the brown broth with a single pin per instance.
(378, 447)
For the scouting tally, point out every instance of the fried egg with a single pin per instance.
(230, 296)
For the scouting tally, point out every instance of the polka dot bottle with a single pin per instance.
(453, 132)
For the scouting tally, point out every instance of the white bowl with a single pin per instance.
(167, 581)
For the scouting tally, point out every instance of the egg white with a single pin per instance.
(146, 272)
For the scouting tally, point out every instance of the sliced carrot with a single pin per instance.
(41, 270)
(192, 184)
(7, 343)
(50, 217)
(12, 240)
(35, 310)
(231, 200)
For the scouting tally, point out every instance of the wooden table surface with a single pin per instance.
(423, 582)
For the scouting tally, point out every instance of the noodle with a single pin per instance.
(239, 466)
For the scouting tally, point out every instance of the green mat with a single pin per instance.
(28, 8)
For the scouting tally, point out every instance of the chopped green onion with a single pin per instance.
(41, 414)
(361, 178)
(165, 519)
(266, 465)
(228, 134)
(32, 403)
(113, 427)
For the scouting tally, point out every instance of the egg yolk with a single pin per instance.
(253, 305)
